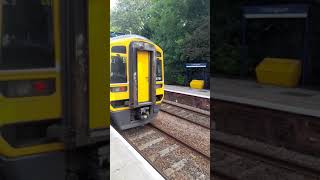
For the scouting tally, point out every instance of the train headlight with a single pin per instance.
(158, 86)
(118, 89)
(28, 88)
(18, 89)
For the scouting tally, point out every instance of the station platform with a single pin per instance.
(126, 163)
(294, 100)
(204, 93)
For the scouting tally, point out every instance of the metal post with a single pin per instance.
(186, 76)
(243, 59)
(1, 20)
(306, 63)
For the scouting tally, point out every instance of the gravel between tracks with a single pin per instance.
(194, 136)
(176, 147)
(171, 158)
(197, 116)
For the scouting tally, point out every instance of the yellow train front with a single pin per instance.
(136, 80)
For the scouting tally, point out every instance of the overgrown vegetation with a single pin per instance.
(226, 37)
(179, 27)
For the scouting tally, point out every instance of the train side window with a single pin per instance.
(158, 54)
(159, 70)
(118, 72)
(118, 49)
(26, 35)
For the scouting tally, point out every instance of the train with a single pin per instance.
(54, 123)
(136, 80)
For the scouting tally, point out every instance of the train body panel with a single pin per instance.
(98, 65)
(143, 76)
(30, 90)
(136, 81)
(53, 65)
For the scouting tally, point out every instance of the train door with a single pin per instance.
(143, 64)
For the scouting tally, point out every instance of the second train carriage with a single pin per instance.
(136, 80)
(53, 121)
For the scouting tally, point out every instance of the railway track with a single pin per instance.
(235, 157)
(240, 159)
(175, 144)
(269, 144)
(194, 115)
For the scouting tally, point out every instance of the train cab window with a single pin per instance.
(118, 49)
(118, 72)
(26, 34)
(159, 70)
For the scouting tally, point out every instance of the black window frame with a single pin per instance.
(125, 75)
(159, 61)
(28, 46)
(119, 49)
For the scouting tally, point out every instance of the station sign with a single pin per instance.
(196, 65)
(276, 11)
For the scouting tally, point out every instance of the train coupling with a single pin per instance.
(144, 113)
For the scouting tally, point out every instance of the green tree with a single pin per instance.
(130, 16)
(179, 27)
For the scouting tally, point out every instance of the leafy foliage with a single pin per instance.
(179, 27)
(226, 37)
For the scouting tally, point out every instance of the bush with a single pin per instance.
(174, 77)
(226, 60)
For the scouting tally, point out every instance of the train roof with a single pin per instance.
(115, 34)
(121, 37)
(129, 36)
